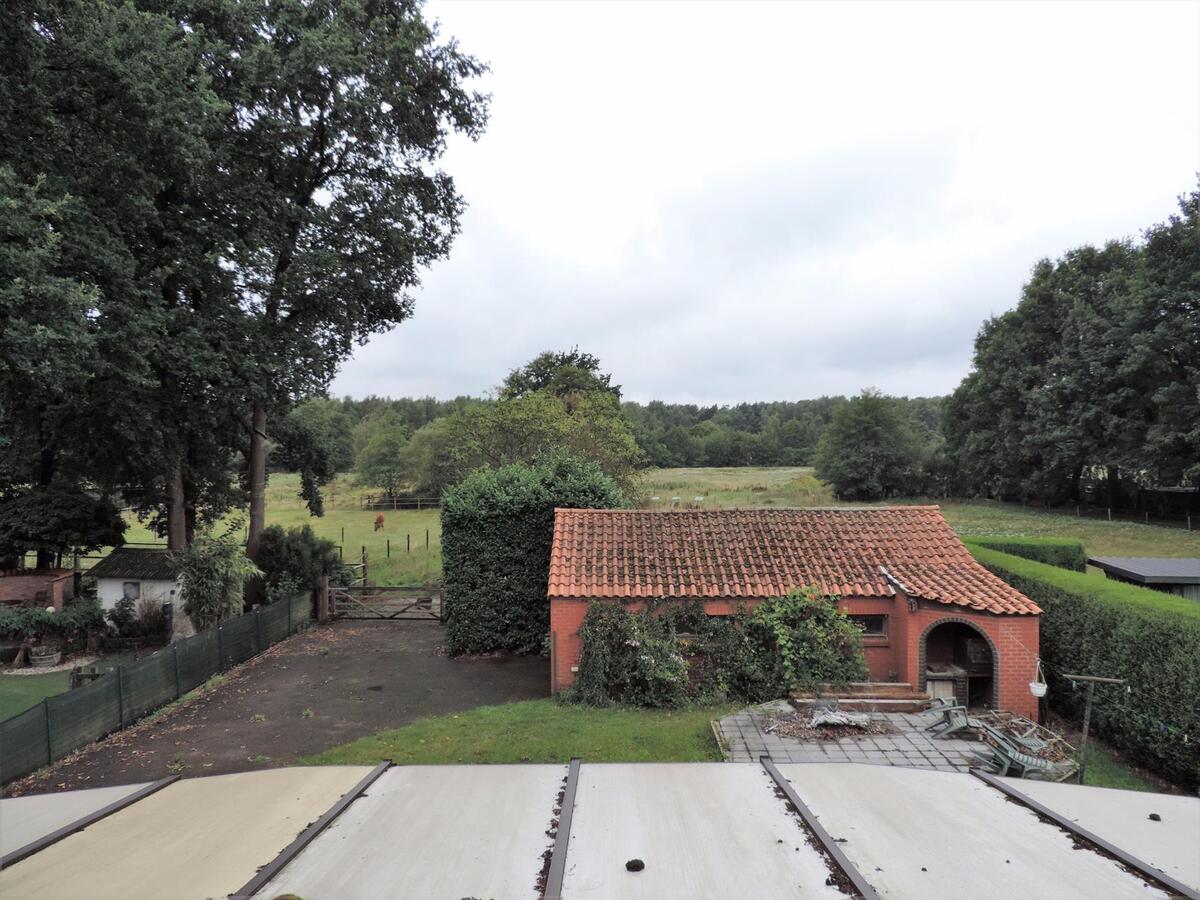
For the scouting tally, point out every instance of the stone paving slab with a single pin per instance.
(911, 746)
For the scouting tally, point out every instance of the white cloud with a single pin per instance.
(770, 201)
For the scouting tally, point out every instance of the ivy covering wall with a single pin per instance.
(497, 527)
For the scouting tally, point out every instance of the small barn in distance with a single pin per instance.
(931, 616)
(1172, 576)
(140, 573)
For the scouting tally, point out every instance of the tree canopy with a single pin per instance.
(870, 450)
(1097, 369)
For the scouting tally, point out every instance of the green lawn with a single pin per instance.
(346, 524)
(753, 486)
(19, 692)
(539, 731)
(1105, 769)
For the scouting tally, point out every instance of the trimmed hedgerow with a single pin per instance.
(1062, 552)
(1094, 626)
(671, 653)
(497, 527)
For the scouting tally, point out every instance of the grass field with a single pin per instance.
(19, 692)
(783, 487)
(540, 731)
(352, 528)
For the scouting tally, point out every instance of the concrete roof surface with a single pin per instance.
(24, 820)
(703, 830)
(437, 831)
(1151, 569)
(197, 838)
(944, 836)
(1171, 844)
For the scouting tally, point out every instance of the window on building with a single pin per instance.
(132, 590)
(871, 626)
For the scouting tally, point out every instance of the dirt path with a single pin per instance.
(306, 694)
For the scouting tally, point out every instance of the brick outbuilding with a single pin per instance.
(931, 615)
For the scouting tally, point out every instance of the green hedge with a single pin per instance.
(1062, 552)
(1094, 626)
(497, 526)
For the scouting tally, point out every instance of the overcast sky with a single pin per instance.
(779, 201)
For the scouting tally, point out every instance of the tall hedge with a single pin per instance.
(497, 526)
(1094, 626)
(1062, 552)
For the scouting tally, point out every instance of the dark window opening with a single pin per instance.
(871, 626)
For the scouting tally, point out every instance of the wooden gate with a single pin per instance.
(379, 602)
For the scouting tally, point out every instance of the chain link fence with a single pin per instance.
(59, 725)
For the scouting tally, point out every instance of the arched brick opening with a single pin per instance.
(923, 644)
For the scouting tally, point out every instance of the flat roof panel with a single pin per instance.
(24, 820)
(1123, 818)
(705, 831)
(433, 831)
(945, 836)
(1151, 569)
(196, 838)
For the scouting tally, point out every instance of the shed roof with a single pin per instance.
(1151, 569)
(754, 553)
(142, 563)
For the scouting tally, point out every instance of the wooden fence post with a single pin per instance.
(426, 538)
(49, 732)
(323, 601)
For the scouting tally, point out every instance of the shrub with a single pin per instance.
(293, 561)
(630, 660)
(213, 573)
(497, 527)
(34, 622)
(1094, 626)
(1062, 552)
(643, 659)
(803, 640)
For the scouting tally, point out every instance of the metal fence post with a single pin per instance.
(121, 695)
(220, 651)
(178, 692)
(49, 731)
(258, 628)
(289, 606)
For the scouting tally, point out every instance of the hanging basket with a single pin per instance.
(1037, 687)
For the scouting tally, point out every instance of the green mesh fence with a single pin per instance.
(23, 743)
(84, 715)
(51, 730)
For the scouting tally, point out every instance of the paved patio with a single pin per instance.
(744, 739)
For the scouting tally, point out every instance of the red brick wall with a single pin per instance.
(1013, 639)
(26, 586)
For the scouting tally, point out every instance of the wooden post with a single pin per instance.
(343, 535)
(426, 538)
(1147, 517)
(49, 732)
(121, 695)
(389, 548)
(323, 601)
(1092, 681)
(408, 540)
(1110, 514)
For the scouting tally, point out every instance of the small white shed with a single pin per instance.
(139, 573)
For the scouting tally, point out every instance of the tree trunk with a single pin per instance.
(1076, 475)
(176, 525)
(258, 479)
(1114, 487)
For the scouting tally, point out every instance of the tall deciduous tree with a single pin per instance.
(870, 450)
(338, 114)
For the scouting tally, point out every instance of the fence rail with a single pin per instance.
(64, 723)
(382, 501)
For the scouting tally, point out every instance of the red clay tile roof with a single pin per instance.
(847, 551)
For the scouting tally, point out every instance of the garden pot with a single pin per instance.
(44, 657)
(1037, 688)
